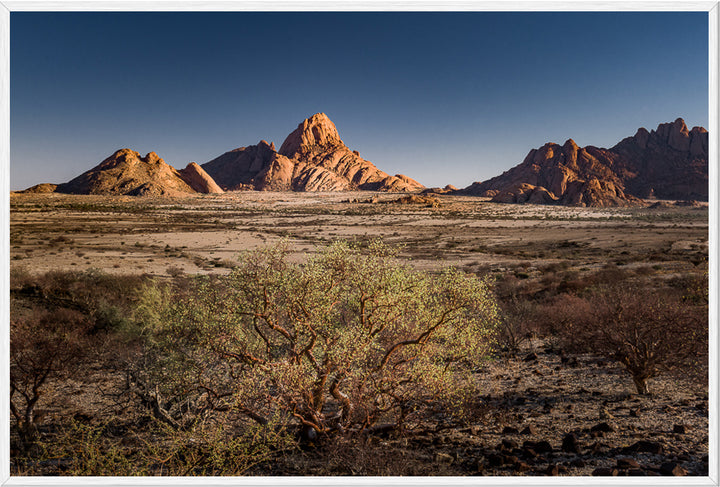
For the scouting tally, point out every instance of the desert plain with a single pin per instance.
(535, 396)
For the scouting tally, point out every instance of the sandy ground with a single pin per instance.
(206, 233)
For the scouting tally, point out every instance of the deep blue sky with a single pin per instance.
(441, 97)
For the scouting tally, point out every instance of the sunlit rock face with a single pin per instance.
(312, 158)
(125, 172)
(668, 163)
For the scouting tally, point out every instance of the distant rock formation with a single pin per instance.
(668, 163)
(312, 158)
(198, 179)
(127, 173)
(40, 188)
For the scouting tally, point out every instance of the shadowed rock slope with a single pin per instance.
(668, 163)
(127, 173)
(312, 158)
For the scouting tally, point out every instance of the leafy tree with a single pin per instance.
(341, 342)
(44, 345)
(648, 331)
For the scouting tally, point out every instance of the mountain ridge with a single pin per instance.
(667, 163)
(313, 157)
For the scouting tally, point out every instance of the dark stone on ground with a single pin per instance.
(509, 430)
(509, 444)
(681, 429)
(529, 430)
(538, 446)
(552, 470)
(672, 468)
(627, 463)
(644, 446)
(495, 460)
(570, 443)
(604, 427)
(604, 472)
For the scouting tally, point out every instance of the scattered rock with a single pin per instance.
(605, 472)
(604, 427)
(510, 459)
(644, 446)
(495, 460)
(529, 430)
(552, 470)
(627, 463)
(672, 468)
(538, 446)
(509, 444)
(509, 430)
(570, 443)
(680, 429)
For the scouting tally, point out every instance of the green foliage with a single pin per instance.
(340, 342)
(82, 449)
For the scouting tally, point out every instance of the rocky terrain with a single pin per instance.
(544, 414)
(668, 163)
(539, 410)
(127, 173)
(312, 158)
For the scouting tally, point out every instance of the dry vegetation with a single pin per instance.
(567, 341)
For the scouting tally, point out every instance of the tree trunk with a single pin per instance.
(641, 385)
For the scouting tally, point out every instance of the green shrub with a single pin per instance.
(340, 342)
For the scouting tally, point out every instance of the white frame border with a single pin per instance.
(8, 6)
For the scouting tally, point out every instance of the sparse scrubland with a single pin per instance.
(316, 335)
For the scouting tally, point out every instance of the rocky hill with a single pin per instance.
(312, 158)
(668, 163)
(127, 173)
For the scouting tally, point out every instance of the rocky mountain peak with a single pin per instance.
(316, 132)
(264, 144)
(670, 162)
(312, 158)
(151, 157)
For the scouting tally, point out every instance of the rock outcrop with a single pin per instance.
(40, 188)
(312, 158)
(198, 179)
(127, 173)
(668, 163)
